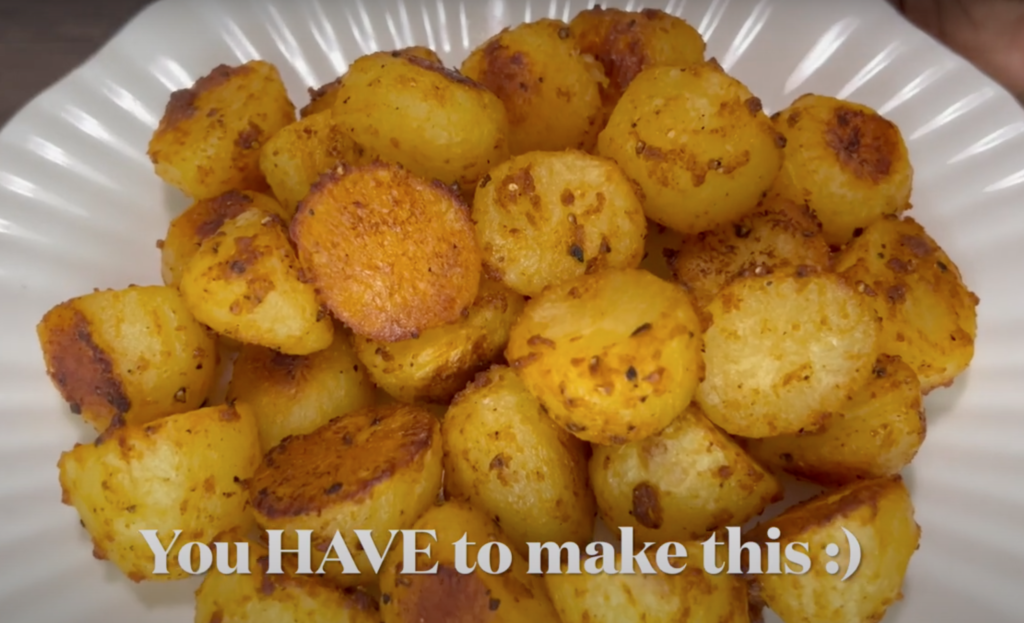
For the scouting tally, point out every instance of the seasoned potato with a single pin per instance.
(613, 356)
(552, 92)
(697, 142)
(439, 363)
(778, 234)
(929, 317)
(391, 254)
(449, 596)
(208, 141)
(244, 282)
(545, 217)
(136, 354)
(295, 394)
(434, 121)
(201, 220)
(660, 247)
(683, 483)
(179, 473)
(505, 456)
(374, 469)
(844, 161)
(880, 514)
(783, 352)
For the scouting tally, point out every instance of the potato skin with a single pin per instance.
(552, 93)
(135, 354)
(881, 515)
(614, 356)
(179, 473)
(698, 143)
(505, 456)
(441, 361)
(208, 141)
(545, 217)
(391, 254)
(844, 161)
(451, 597)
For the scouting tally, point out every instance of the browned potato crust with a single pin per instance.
(135, 354)
(391, 254)
(208, 141)
(552, 92)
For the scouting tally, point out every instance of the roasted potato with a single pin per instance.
(784, 351)
(614, 356)
(449, 596)
(684, 483)
(182, 472)
(697, 142)
(660, 247)
(208, 141)
(296, 394)
(373, 469)
(505, 456)
(391, 254)
(552, 92)
(880, 514)
(439, 363)
(845, 162)
(410, 110)
(244, 282)
(929, 316)
(136, 354)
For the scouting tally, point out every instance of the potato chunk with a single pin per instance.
(613, 356)
(505, 456)
(844, 161)
(552, 92)
(697, 142)
(929, 316)
(179, 473)
(880, 514)
(784, 351)
(135, 354)
(374, 469)
(545, 217)
(438, 364)
(244, 283)
(208, 141)
(391, 254)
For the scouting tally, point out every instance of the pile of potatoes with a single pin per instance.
(585, 276)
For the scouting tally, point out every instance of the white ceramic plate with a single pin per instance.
(80, 208)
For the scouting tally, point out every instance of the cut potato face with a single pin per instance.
(135, 355)
(614, 356)
(545, 217)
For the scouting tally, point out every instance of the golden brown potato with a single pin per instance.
(506, 457)
(136, 354)
(373, 469)
(182, 472)
(244, 283)
(697, 142)
(201, 220)
(684, 483)
(413, 111)
(929, 316)
(545, 217)
(844, 161)
(295, 395)
(784, 351)
(880, 514)
(452, 597)
(614, 356)
(438, 364)
(552, 92)
(391, 254)
(208, 141)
